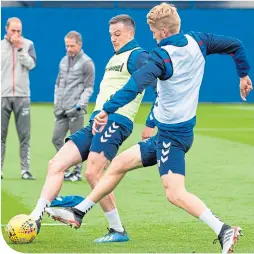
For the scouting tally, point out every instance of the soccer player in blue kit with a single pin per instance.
(99, 150)
(178, 63)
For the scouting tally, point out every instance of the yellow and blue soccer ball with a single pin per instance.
(21, 229)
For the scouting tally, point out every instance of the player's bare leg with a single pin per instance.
(96, 163)
(174, 185)
(66, 157)
(177, 195)
(126, 161)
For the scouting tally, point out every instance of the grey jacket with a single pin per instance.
(15, 68)
(74, 84)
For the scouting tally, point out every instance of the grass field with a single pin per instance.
(220, 170)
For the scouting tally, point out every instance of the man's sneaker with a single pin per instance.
(27, 176)
(113, 236)
(70, 216)
(73, 177)
(228, 237)
(66, 175)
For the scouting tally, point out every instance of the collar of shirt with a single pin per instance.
(78, 54)
(130, 45)
(178, 40)
(72, 59)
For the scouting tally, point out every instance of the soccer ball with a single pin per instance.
(21, 229)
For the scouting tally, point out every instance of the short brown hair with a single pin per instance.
(125, 19)
(164, 15)
(12, 19)
(74, 35)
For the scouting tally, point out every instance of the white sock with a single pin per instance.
(39, 210)
(85, 205)
(114, 220)
(211, 220)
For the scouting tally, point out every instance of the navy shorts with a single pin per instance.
(148, 151)
(110, 139)
(171, 150)
(107, 141)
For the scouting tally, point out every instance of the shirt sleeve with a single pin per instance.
(88, 84)
(28, 59)
(137, 59)
(220, 44)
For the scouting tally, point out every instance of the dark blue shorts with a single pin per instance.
(171, 150)
(83, 140)
(110, 139)
(148, 151)
(107, 141)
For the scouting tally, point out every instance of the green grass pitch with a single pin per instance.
(220, 170)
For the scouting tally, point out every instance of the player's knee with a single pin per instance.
(92, 177)
(95, 168)
(88, 175)
(53, 167)
(118, 163)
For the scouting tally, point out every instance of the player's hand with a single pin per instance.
(99, 122)
(245, 87)
(17, 41)
(147, 132)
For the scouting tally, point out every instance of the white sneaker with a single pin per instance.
(228, 237)
(70, 216)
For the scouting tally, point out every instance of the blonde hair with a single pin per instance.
(164, 16)
(74, 35)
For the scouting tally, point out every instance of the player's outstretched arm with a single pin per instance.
(140, 80)
(144, 77)
(220, 44)
(157, 66)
